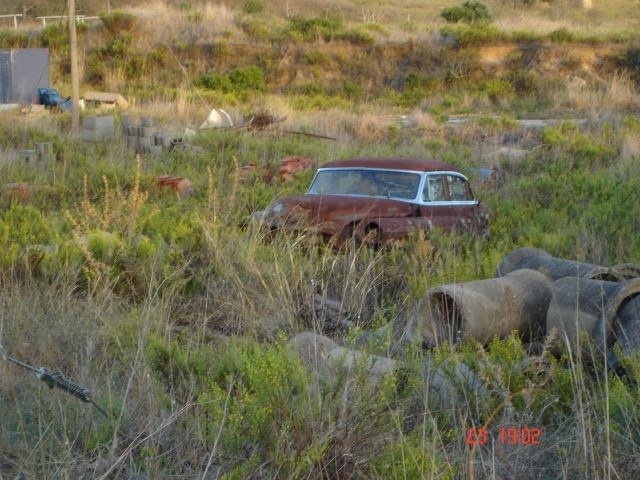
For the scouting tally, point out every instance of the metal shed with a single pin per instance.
(22, 72)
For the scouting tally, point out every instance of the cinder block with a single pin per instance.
(132, 141)
(148, 131)
(97, 135)
(133, 130)
(98, 122)
(145, 141)
(153, 150)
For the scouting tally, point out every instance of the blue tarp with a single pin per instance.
(49, 97)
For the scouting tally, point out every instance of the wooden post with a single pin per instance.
(75, 88)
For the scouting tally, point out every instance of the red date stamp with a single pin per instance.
(504, 435)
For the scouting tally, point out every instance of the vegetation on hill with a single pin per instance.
(177, 314)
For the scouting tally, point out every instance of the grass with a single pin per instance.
(174, 316)
(178, 316)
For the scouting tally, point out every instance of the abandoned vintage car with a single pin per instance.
(379, 201)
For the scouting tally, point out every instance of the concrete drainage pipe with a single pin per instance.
(485, 309)
(606, 311)
(553, 267)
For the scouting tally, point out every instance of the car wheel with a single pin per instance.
(348, 238)
(372, 237)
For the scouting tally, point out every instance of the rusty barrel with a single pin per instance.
(606, 311)
(484, 309)
(553, 267)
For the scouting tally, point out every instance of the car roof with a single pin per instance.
(399, 163)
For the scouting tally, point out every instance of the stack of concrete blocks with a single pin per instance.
(140, 134)
(143, 137)
(42, 153)
(98, 128)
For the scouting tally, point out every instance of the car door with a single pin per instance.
(447, 201)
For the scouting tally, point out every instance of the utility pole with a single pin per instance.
(75, 87)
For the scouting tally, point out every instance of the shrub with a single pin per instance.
(355, 37)
(118, 22)
(497, 89)
(214, 81)
(471, 11)
(629, 59)
(14, 39)
(562, 35)
(238, 81)
(253, 6)
(314, 29)
(472, 35)
(247, 78)
(55, 36)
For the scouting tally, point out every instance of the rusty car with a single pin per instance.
(380, 201)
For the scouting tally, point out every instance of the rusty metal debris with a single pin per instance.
(255, 123)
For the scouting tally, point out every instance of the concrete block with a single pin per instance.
(98, 122)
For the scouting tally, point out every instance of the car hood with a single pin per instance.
(341, 207)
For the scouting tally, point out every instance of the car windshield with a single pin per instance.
(367, 182)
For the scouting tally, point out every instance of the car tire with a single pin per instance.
(372, 237)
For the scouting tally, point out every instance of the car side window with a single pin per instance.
(458, 188)
(434, 189)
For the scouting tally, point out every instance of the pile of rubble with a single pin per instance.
(589, 310)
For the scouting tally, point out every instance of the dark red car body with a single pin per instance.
(380, 201)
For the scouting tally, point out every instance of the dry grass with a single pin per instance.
(599, 96)
(160, 23)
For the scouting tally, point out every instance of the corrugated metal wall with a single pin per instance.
(22, 72)
(5, 76)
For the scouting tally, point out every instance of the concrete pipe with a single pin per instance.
(553, 267)
(627, 328)
(598, 308)
(484, 309)
(330, 361)
(627, 271)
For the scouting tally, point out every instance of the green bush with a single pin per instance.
(629, 59)
(118, 22)
(472, 35)
(253, 6)
(355, 37)
(314, 29)
(56, 37)
(214, 81)
(562, 35)
(471, 11)
(238, 81)
(15, 39)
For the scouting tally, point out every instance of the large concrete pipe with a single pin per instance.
(627, 271)
(329, 360)
(606, 311)
(448, 384)
(484, 309)
(627, 329)
(553, 267)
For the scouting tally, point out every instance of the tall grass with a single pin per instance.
(177, 316)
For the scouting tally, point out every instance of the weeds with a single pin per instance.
(177, 312)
